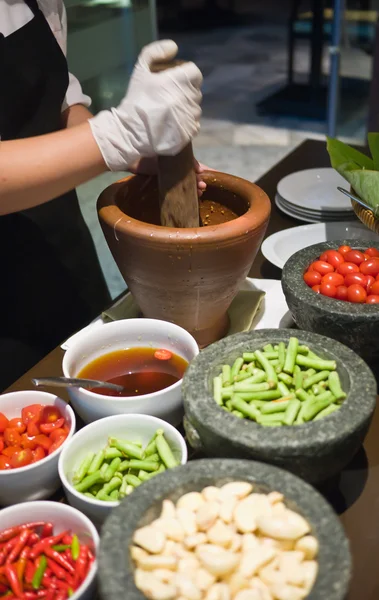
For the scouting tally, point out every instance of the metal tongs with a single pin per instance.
(375, 210)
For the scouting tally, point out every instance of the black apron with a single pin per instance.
(50, 280)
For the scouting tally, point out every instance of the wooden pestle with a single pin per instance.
(178, 199)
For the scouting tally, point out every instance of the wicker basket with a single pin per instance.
(366, 216)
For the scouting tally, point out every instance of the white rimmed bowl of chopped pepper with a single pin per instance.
(106, 460)
(288, 397)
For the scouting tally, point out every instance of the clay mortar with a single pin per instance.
(187, 276)
(315, 451)
(116, 571)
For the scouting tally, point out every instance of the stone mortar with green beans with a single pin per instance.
(279, 385)
(114, 471)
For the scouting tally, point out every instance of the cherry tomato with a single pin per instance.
(312, 278)
(43, 440)
(356, 293)
(21, 458)
(347, 267)
(17, 424)
(57, 434)
(50, 414)
(47, 428)
(344, 249)
(12, 437)
(31, 413)
(371, 299)
(316, 288)
(370, 267)
(32, 429)
(369, 281)
(352, 278)
(1, 445)
(322, 267)
(4, 463)
(374, 289)
(333, 257)
(334, 278)
(354, 256)
(10, 450)
(377, 277)
(341, 292)
(38, 454)
(3, 422)
(372, 252)
(328, 289)
(56, 444)
(163, 354)
(28, 442)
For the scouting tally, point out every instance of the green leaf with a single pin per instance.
(373, 142)
(366, 185)
(342, 154)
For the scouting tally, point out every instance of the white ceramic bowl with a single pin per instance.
(39, 480)
(129, 333)
(63, 517)
(94, 437)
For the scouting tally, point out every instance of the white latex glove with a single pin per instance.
(159, 115)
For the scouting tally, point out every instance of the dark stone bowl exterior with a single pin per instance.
(314, 451)
(356, 325)
(116, 570)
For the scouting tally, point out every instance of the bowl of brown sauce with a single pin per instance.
(148, 357)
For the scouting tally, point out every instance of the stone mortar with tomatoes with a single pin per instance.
(346, 274)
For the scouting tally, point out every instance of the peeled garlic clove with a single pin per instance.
(236, 543)
(211, 493)
(287, 592)
(253, 560)
(310, 570)
(187, 520)
(236, 583)
(186, 587)
(274, 497)
(239, 489)
(271, 576)
(250, 542)
(203, 579)
(168, 510)
(136, 553)
(249, 594)
(153, 588)
(192, 541)
(257, 584)
(218, 591)
(149, 563)
(191, 501)
(284, 545)
(290, 565)
(171, 528)
(278, 508)
(170, 548)
(247, 511)
(207, 515)
(227, 508)
(289, 526)
(308, 545)
(216, 560)
(187, 565)
(150, 539)
(164, 575)
(220, 534)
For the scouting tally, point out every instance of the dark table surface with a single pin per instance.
(355, 493)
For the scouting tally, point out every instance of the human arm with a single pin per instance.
(75, 115)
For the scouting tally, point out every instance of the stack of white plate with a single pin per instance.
(312, 196)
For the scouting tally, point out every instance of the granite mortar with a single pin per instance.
(314, 451)
(116, 569)
(356, 325)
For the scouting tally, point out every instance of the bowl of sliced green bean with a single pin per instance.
(106, 460)
(292, 398)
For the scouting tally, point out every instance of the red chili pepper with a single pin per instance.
(50, 594)
(56, 569)
(3, 588)
(15, 584)
(29, 571)
(7, 534)
(49, 582)
(21, 565)
(16, 550)
(45, 543)
(67, 554)
(67, 540)
(61, 595)
(59, 559)
(81, 566)
(33, 539)
(7, 549)
(35, 595)
(47, 530)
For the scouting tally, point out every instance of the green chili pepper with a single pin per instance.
(75, 547)
(39, 572)
(63, 547)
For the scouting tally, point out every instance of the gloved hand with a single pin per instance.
(159, 115)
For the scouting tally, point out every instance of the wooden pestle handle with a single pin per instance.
(178, 199)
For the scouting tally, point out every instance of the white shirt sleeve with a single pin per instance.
(74, 94)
